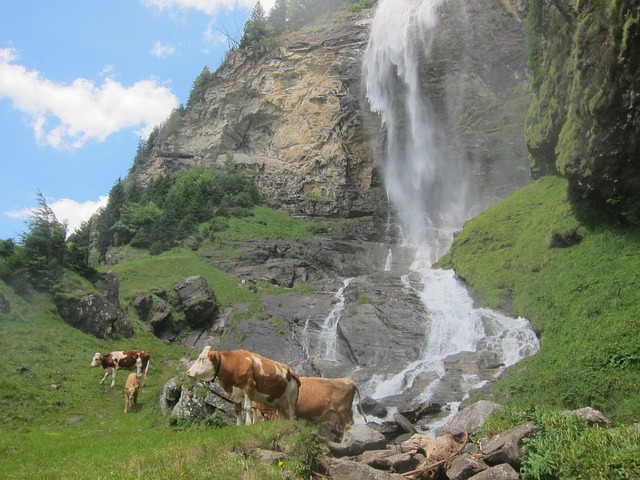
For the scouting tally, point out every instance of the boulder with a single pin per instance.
(464, 466)
(506, 447)
(373, 407)
(591, 416)
(359, 439)
(347, 470)
(197, 300)
(499, 472)
(470, 418)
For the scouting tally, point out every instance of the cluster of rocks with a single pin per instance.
(366, 453)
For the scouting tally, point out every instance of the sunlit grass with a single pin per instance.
(583, 299)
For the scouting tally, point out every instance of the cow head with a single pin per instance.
(97, 360)
(204, 367)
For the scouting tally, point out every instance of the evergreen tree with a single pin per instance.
(278, 17)
(44, 246)
(79, 249)
(256, 28)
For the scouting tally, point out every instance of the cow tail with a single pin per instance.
(360, 409)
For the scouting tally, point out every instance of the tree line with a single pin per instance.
(196, 202)
(264, 28)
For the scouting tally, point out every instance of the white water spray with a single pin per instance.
(430, 193)
(329, 333)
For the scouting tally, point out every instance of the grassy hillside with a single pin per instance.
(56, 421)
(575, 277)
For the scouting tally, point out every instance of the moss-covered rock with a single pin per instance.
(585, 120)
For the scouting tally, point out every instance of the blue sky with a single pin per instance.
(82, 81)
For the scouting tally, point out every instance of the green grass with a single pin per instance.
(583, 299)
(567, 447)
(56, 421)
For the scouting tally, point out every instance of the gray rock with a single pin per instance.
(506, 447)
(499, 472)
(403, 423)
(470, 418)
(373, 407)
(197, 300)
(464, 466)
(347, 470)
(591, 416)
(359, 439)
(142, 304)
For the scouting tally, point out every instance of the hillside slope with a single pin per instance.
(574, 276)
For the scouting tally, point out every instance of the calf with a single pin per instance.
(328, 399)
(126, 360)
(246, 376)
(131, 391)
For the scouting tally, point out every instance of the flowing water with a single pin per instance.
(432, 195)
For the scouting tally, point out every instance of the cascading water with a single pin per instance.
(431, 196)
(329, 333)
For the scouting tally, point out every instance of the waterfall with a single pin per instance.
(429, 190)
(329, 333)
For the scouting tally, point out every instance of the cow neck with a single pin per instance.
(216, 371)
(215, 375)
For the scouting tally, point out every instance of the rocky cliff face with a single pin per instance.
(295, 115)
(585, 120)
(292, 116)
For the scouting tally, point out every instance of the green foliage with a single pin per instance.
(42, 252)
(172, 207)
(533, 38)
(200, 84)
(574, 276)
(567, 447)
(256, 28)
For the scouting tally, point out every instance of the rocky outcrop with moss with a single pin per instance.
(585, 119)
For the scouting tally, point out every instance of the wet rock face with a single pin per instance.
(585, 118)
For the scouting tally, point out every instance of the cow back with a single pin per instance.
(267, 379)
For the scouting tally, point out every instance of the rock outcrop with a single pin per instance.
(584, 121)
(98, 313)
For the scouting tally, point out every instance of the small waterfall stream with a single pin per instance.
(329, 333)
(430, 191)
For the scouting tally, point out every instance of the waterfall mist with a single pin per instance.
(428, 187)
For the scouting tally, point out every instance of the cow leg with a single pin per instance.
(113, 376)
(107, 372)
(248, 411)
(238, 409)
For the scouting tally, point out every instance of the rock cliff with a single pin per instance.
(295, 116)
(290, 114)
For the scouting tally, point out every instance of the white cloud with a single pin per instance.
(66, 209)
(161, 50)
(74, 213)
(210, 7)
(67, 116)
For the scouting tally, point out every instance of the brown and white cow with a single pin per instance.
(246, 376)
(328, 399)
(125, 360)
(131, 387)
